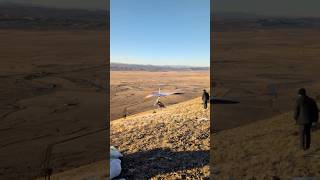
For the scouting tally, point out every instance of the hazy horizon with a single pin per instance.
(72, 4)
(178, 65)
(287, 8)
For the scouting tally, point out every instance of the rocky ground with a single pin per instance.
(172, 143)
(267, 149)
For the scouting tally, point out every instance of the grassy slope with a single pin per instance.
(174, 143)
(171, 143)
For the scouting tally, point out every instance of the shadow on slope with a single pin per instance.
(145, 165)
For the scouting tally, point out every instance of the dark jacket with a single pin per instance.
(306, 110)
(205, 97)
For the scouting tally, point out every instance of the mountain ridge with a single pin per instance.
(141, 67)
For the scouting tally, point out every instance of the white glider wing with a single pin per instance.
(162, 94)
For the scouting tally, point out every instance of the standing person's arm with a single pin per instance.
(296, 111)
(316, 111)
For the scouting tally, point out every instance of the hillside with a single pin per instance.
(53, 101)
(171, 143)
(267, 149)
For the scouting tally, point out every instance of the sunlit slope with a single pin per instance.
(169, 143)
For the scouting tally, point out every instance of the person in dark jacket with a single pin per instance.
(125, 113)
(305, 113)
(205, 98)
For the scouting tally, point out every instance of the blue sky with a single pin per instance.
(160, 32)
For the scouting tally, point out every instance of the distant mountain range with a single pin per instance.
(235, 15)
(39, 17)
(225, 21)
(138, 67)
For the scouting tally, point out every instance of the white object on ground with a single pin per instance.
(115, 162)
(203, 119)
(115, 153)
(115, 168)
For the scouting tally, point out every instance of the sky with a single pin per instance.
(290, 8)
(166, 32)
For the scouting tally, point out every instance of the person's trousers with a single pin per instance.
(205, 104)
(305, 136)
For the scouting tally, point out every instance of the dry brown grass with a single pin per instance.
(265, 149)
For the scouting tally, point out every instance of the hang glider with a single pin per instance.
(159, 94)
(162, 94)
